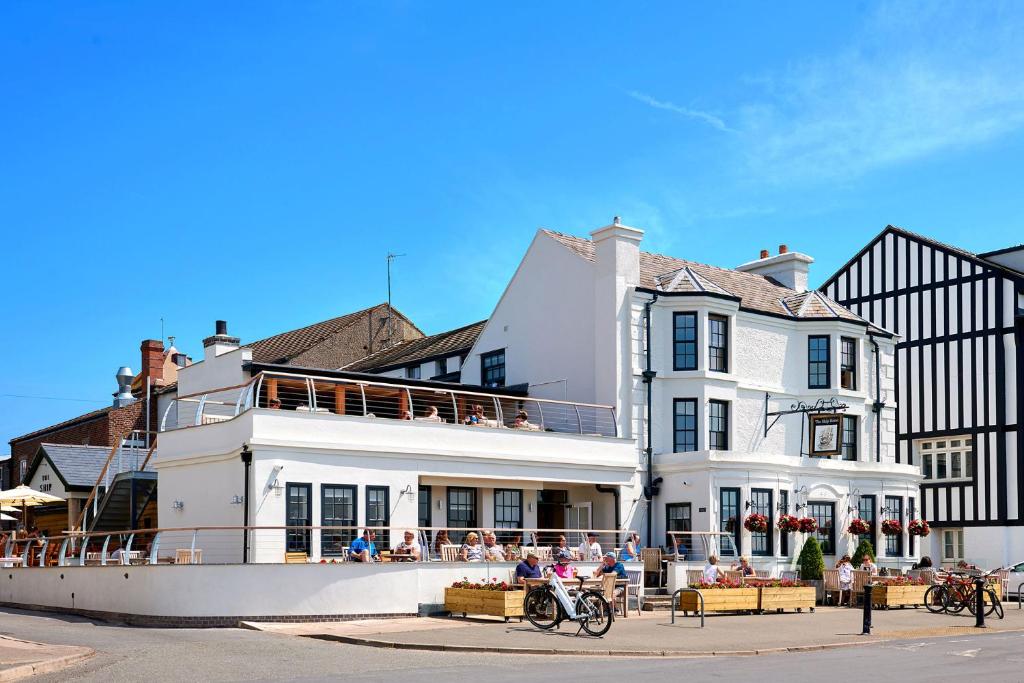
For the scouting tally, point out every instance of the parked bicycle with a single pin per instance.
(548, 605)
(957, 592)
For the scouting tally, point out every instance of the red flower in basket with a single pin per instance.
(808, 524)
(788, 524)
(918, 527)
(891, 527)
(859, 527)
(756, 523)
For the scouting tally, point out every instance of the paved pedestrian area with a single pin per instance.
(23, 658)
(654, 634)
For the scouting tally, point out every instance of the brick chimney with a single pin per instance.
(152, 362)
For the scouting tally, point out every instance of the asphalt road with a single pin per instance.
(132, 654)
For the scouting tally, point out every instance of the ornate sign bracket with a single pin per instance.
(823, 406)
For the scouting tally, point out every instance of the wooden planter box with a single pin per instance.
(720, 600)
(897, 596)
(786, 598)
(492, 603)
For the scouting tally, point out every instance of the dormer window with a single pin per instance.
(412, 372)
(818, 365)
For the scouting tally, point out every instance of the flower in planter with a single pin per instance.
(722, 583)
(788, 524)
(781, 583)
(756, 523)
(808, 524)
(918, 527)
(891, 527)
(858, 527)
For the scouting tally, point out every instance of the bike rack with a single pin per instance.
(1019, 585)
(688, 590)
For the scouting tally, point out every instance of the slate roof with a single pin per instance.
(755, 292)
(281, 348)
(443, 344)
(77, 466)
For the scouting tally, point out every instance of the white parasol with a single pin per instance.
(26, 496)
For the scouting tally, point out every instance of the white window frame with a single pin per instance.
(958, 543)
(929, 450)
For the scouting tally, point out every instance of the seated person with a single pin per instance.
(631, 548)
(275, 404)
(590, 549)
(407, 415)
(528, 568)
(743, 566)
(679, 547)
(563, 565)
(868, 565)
(711, 570)
(925, 563)
(492, 549)
(476, 417)
(363, 549)
(408, 550)
(609, 565)
(472, 551)
(522, 421)
(513, 550)
(440, 540)
(431, 415)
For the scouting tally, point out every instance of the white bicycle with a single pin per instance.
(548, 605)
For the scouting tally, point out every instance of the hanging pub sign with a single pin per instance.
(826, 434)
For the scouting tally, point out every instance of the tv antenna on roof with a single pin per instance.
(391, 319)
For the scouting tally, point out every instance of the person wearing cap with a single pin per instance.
(609, 565)
(590, 549)
(528, 568)
(563, 565)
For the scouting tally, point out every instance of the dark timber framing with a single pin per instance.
(960, 327)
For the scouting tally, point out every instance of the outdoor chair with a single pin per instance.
(450, 553)
(652, 565)
(734, 575)
(544, 554)
(790, 574)
(928, 575)
(608, 590)
(860, 578)
(635, 588)
(187, 556)
(1002, 577)
(694, 576)
(831, 584)
(762, 573)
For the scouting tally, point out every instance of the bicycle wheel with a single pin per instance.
(541, 608)
(595, 613)
(995, 605)
(935, 598)
(957, 600)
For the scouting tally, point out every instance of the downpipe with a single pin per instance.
(649, 376)
(879, 404)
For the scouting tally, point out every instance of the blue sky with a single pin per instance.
(255, 162)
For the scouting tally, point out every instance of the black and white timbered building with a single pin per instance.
(959, 385)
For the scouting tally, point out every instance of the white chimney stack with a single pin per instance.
(788, 268)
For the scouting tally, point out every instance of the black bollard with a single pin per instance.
(867, 610)
(979, 602)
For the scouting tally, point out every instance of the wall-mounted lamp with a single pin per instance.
(438, 503)
(178, 505)
(782, 507)
(800, 506)
(746, 505)
(407, 491)
(529, 507)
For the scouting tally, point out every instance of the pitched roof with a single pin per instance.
(281, 348)
(442, 344)
(86, 417)
(755, 292)
(77, 466)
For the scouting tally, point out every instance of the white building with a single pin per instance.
(959, 382)
(727, 348)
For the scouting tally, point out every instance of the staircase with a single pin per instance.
(658, 602)
(124, 501)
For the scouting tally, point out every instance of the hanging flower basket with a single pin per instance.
(788, 524)
(756, 523)
(918, 527)
(891, 527)
(859, 527)
(808, 524)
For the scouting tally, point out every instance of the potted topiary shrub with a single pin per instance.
(812, 567)
(864, 549)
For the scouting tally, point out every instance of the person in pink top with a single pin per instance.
(563, 566)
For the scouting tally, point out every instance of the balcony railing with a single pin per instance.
(389, 401)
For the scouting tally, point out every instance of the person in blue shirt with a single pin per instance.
(363, 549)
(528, 568)
(631, 549)
(610, 565)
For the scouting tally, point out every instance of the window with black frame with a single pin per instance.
(413, 372)
(508, 512)
(423, 504)
(850, 445)
(718, 425)
(824, 514)
(298, 513)
(894, 542)
(685, 438)
(461, 511)
(761, 504)
(911, 513)
(337, 508)
(848, 363)
(718, 343)
(492, 369)
(378, 513)
(729, 522)
(866, 511)
(818, 362)
(684, 336)
(678, 518)
(784, 509)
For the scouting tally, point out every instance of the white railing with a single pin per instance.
(394, 401)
